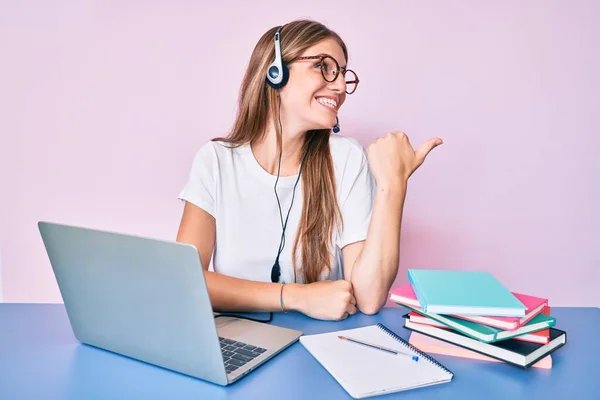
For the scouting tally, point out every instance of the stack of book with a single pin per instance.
(471, 314)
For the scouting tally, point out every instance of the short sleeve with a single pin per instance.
(356, 199)
(201, 185)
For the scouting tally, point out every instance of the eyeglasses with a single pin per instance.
(330, 69)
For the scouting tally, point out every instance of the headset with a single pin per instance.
(277, 77)
(278, 73)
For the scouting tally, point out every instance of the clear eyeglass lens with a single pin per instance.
(329, 69)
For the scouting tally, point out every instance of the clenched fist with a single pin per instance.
(327, 300)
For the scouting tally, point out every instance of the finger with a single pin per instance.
(426, 147)
(351, 309)
(350, 288)
(353, 300)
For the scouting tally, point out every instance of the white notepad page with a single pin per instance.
(363, 371)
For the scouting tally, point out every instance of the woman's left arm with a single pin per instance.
(372, 265)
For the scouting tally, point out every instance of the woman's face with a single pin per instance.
(308, 101)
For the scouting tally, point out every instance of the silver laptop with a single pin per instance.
(147, 299)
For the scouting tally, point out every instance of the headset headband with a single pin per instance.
(277, 73)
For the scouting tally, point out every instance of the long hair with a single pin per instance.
(256, 103)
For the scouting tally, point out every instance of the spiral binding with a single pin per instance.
(413, 348)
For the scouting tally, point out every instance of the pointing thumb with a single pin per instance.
(426, 147)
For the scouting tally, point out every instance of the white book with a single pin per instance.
(364, 371)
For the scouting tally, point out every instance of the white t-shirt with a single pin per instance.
(231, 185)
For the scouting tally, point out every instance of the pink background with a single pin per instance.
(103, 105)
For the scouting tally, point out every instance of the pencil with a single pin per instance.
(374, 346)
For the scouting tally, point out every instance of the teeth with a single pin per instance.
(327, 102)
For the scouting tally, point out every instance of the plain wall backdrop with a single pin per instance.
(104, 104)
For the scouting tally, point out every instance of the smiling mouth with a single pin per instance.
(327, 102)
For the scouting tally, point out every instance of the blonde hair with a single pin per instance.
(256, 103)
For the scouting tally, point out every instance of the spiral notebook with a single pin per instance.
(364, 371)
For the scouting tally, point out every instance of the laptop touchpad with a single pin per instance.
(234, 328)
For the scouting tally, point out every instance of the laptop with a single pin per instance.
(147, 299)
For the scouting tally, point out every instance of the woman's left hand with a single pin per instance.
(392, 159)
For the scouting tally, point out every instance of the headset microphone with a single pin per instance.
(336, 127)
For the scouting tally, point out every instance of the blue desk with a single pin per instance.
(40, 359)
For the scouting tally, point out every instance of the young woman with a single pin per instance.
(293, 217)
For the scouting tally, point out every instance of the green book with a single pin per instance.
(486, 333)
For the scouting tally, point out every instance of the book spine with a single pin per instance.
(466, 347)
(457, 327)
(417, 291)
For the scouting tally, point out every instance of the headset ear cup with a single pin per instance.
(286, 75)
(273, 72)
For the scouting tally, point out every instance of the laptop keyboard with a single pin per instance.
(236, 354)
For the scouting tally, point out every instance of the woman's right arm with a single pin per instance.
(323, 300)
